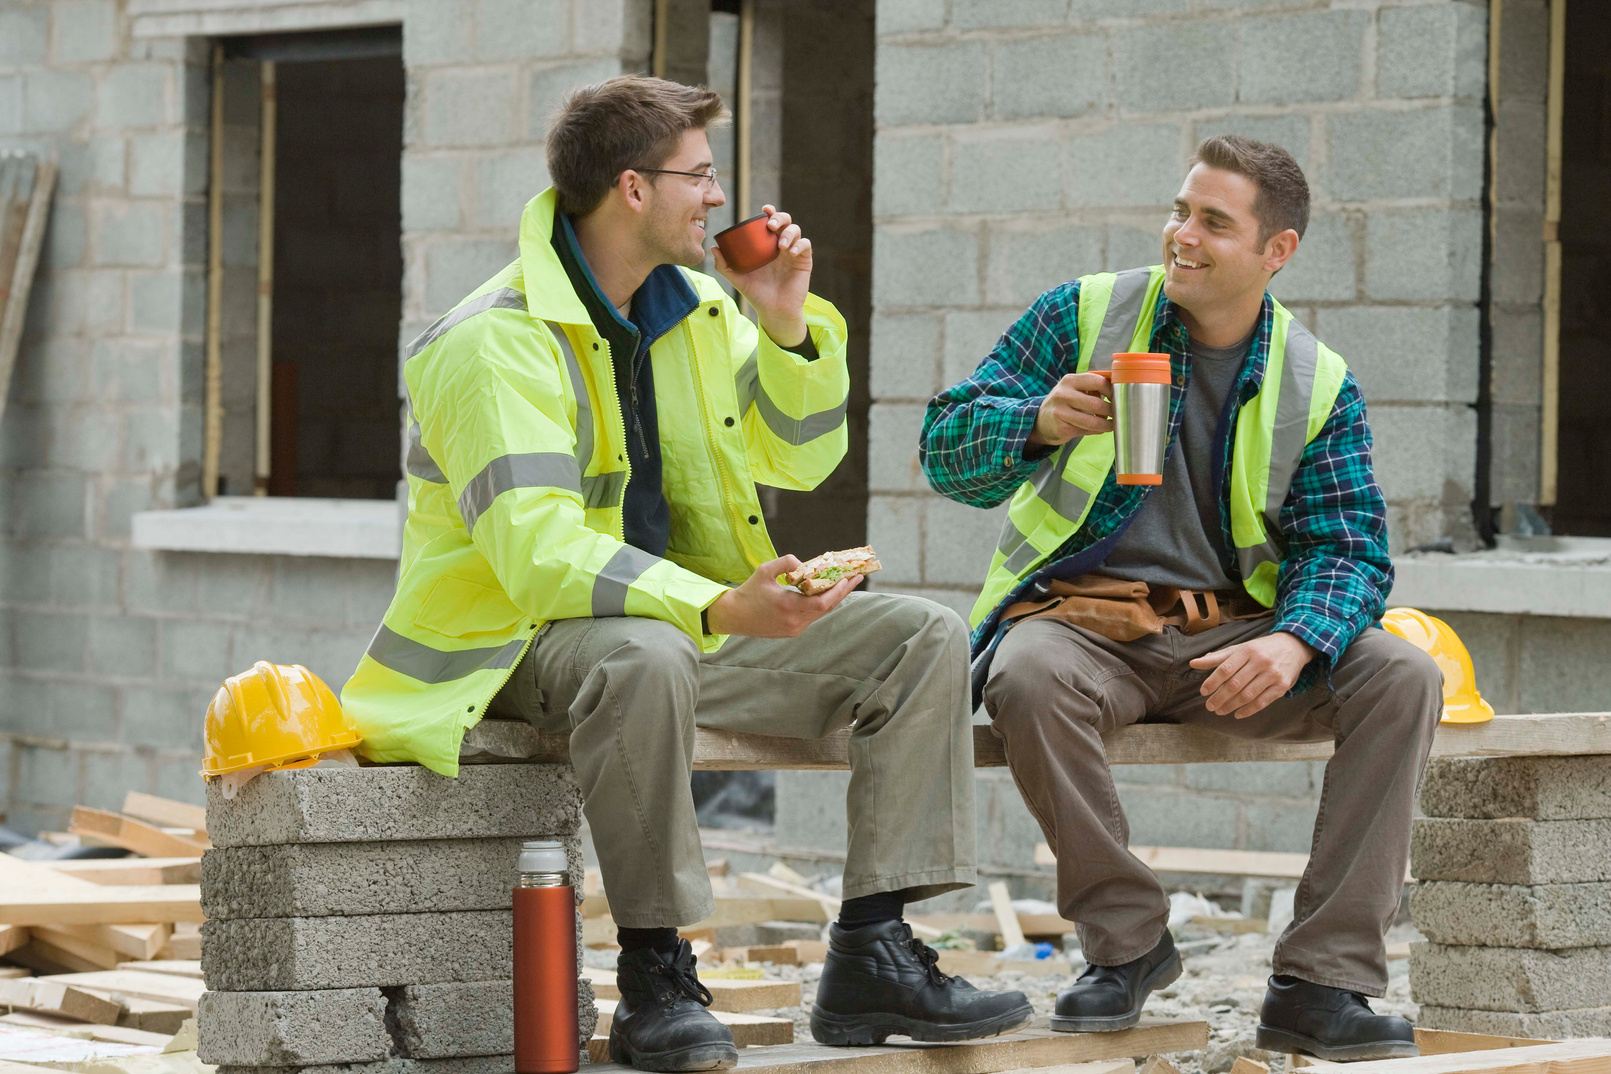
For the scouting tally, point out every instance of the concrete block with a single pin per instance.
(166, 716)
(1518, 355)
(906, 16)
(892, 437)
(1518, 263)
(1511, 850)
(1426, 153)
(1050, 75)
(47, 641)
(1517, 450)
(468, 107)
(66, 238)
(1545, 916)
(123, 647)
(1160, 817)
(194, 651)
(549, 86)
(1424, 452)
(1508, 979)
(158, 166)
(84, 575)
(360, 805)
(1519, 176)
(1290, 132)
(440, 1021)
(345, 1025)
(55, 101)
(455, 268)
(1438, 50)
(1014, 170)
(1314, 56)
(930, 267)
(50, 505)
(11, 104)
(895, 528)
(1429, 254)
(504, 182)
(1540, 788)
(1542, 1025)
(1146, 58)
(24, 34)
(1088, 10)
(432, 188)
(905, 352)
(46, 776)
(1295, 779)
(332, 879)
(480, 1064)
(982, 14)
(1323, 267)
(811, 809)
(1022, 263)
(908, 174)
(931, 83)
(127, 233)
(521, 29)
(1127, 164)
(1410, 354)
(1131, 246)
(269, 954)
(1560, 668)
(108, 777)
(86, 30)
(437, 31)
(134, 95)
(957, 542)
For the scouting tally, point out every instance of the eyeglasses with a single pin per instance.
(709, 176)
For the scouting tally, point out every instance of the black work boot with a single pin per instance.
(660, 1020)
(879, 982)
(1329, 1023)
(1107, 998)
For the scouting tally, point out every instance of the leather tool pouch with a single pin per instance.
(1124, 611)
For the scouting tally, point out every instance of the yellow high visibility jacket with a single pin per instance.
(517, 467)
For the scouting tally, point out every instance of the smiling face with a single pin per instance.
(1212, 255)
(677, 205)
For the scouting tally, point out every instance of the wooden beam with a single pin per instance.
(102, 905)
(1530, 735)
(17, 272)
(749, 1030)
(1282, 866)
(1590, 1056)
(1555, 102)
(186, 870)
(165, 811)
(1032, 924)
(86, 1030)
(1244, 1065)
(160, 987)
(178, 967)
(729, 995)
(91, 953)
(12, 937)
(1012, 933)
(47, 996)
(34, 877)
(117, 830)
(1448, 1042)
(125, 941)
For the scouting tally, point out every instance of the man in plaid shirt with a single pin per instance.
(1150, 608)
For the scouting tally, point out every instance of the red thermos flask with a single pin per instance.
(545, 962)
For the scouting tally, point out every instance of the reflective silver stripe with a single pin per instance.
(1122, 318)
(418, 462)
(419, 661)
(603, 490)
(797, 431)
(584, 405)
(747, 382)
(1023, 557)
(1298, 367)
(537, 470)
(503, 298)
(610, 585)
(1248, 559)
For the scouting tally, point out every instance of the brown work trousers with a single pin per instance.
(1054, 688)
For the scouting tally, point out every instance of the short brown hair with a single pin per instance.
(1283, 198)
(629, 121)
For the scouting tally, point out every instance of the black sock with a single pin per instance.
(661, 939)
(871, 909)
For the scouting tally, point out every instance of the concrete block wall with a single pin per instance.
(1513, 893)
(1018, 145)
(359, 918)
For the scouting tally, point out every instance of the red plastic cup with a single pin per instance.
(748, 244)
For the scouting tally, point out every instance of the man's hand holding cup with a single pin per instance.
(1079, 405)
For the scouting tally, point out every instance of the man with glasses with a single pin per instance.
(588, 429)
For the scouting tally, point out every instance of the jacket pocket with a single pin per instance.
(460, 608)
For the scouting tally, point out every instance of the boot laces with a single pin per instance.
(684, 981)
(930, 959)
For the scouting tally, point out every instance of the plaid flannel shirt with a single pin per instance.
(1335, 578)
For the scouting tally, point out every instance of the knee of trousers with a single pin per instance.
(652, 654)
(1027, 674)
(1416, 679)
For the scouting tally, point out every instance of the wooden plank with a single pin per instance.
(162, 987)
(126, 941)
(19, 277)
(810, 950)
(1026, 1049)
(1234, 926)
(102, 904)
(1530, 735)
(1157, 1064)
(166, 812)
(1012, 934)
(782, 954)
(178, 967)
(1284, 866)
(749, 1030)
(1032, 924)
(135, 835)
(91, 953)
(12, 937)
(1448, 1042)
(133, 940)
(1244, 1065)
(10, 972)
(1589, 1056)
(86, 1030)
(728, 995)
(988, 964)
(185, 943)
(48, 996)
(130, 870)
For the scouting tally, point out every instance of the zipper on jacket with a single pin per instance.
(625, 457)
(723, 478)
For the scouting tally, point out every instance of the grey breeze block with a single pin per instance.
(384, 804)
(1511, 851)
(359, 1025)
(1510, 979)
(1548, 916)
(1545, 1025)
(476, 1064)
(1540, 788)
(376, 950)
(326, 879)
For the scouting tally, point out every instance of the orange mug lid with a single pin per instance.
(1140, 368)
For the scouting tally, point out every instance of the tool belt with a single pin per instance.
(1124, 611)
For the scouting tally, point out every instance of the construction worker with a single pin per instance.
(588, 430)
(1237, 595)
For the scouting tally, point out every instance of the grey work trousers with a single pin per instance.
(631, 691)
(1054, 688)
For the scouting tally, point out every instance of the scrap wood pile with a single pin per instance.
(99, 957)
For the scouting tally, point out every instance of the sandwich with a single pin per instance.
(824, 572)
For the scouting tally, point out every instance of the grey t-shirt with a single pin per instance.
(1175, 539)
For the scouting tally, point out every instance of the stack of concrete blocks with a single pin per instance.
(360, 918)
(1513, 864)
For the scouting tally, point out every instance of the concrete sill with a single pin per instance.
(1562, 576)
(276, 526)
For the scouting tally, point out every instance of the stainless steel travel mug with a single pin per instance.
(1140, 417)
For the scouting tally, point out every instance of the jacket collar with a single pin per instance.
(664, 298)
(1167, 319)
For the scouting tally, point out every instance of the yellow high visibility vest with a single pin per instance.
(1301, 381)
(517, 467)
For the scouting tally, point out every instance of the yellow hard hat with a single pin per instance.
(1461, 701)
(280, 715)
